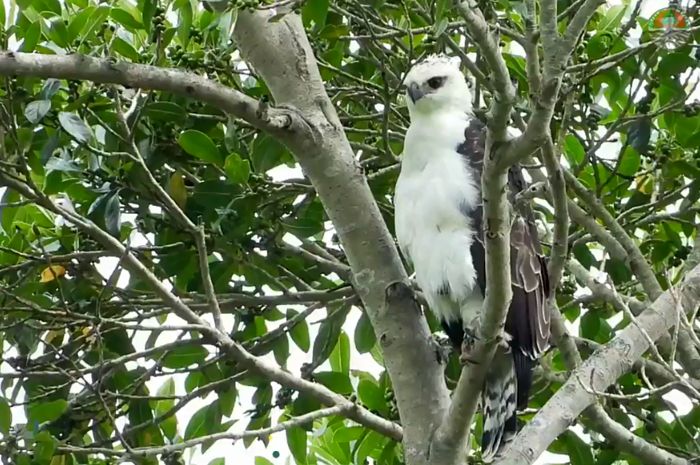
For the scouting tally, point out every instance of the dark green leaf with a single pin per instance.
(165, 111)
(147, 12)
(44, 447)
(364, 334)
(125, 49)
(198, 144)
(316, 11)
(185, 18)
(40, 412)
(574, 151)
(185, 356)
(340, 357)
(579, 451)
(337, 382)
(299, 333)
(237, 169)
(58, 32)
(197, 425)
(126, 19)
(5, 416)
(296, 440)
(371, 395)
(267, 153)
(31, 38)
(113, 214)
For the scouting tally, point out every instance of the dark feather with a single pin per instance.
(528, 318)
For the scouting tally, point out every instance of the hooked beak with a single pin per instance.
(415, 92)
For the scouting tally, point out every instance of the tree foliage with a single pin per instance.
(97, 362)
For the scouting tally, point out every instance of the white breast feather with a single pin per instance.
(431, 228)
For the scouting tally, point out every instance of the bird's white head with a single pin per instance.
(436, 85)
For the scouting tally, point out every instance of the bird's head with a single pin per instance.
(436, 84)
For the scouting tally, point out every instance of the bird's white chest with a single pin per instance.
(433, 189)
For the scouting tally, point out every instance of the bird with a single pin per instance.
(438, 212)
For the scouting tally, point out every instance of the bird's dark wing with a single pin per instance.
(528, 319)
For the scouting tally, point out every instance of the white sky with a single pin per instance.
(236, 454)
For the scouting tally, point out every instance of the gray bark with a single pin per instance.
(280, 53)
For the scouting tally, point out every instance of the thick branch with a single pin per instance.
(81, 67)
(280, 53)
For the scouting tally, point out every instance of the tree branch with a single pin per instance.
(504, 96)
(82, 67)
(221, 339)
(140, 453)
(280, 53)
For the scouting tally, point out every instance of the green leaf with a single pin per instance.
(575, 153)
(185, 22)
(348, 434)
(165, 111)
(296, 440)
(218, 461)
(328, 333)
(58, 32)
(371, 395)
(168, 425)
(267, 153)
(147, 12)
(262, 461)
(371, 443)
(126, 19)
(44, 447)
(31, 37)
(300, 332)
(198, 144)
(675, 64)
(78, 22)
(75, 126)
(579, 452)
(303, 227)
(36, 110)
(96, 19)
(336, 382)
(613, 18)
(316, 11)
(113, 214)
(40, 412)
(182, 357)
(237, 169)
(125, 49)
(340, 357)
(5, 416)
(364, 334)
(227, 401)
(197, 426)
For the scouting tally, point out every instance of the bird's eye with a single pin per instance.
(436, 82)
